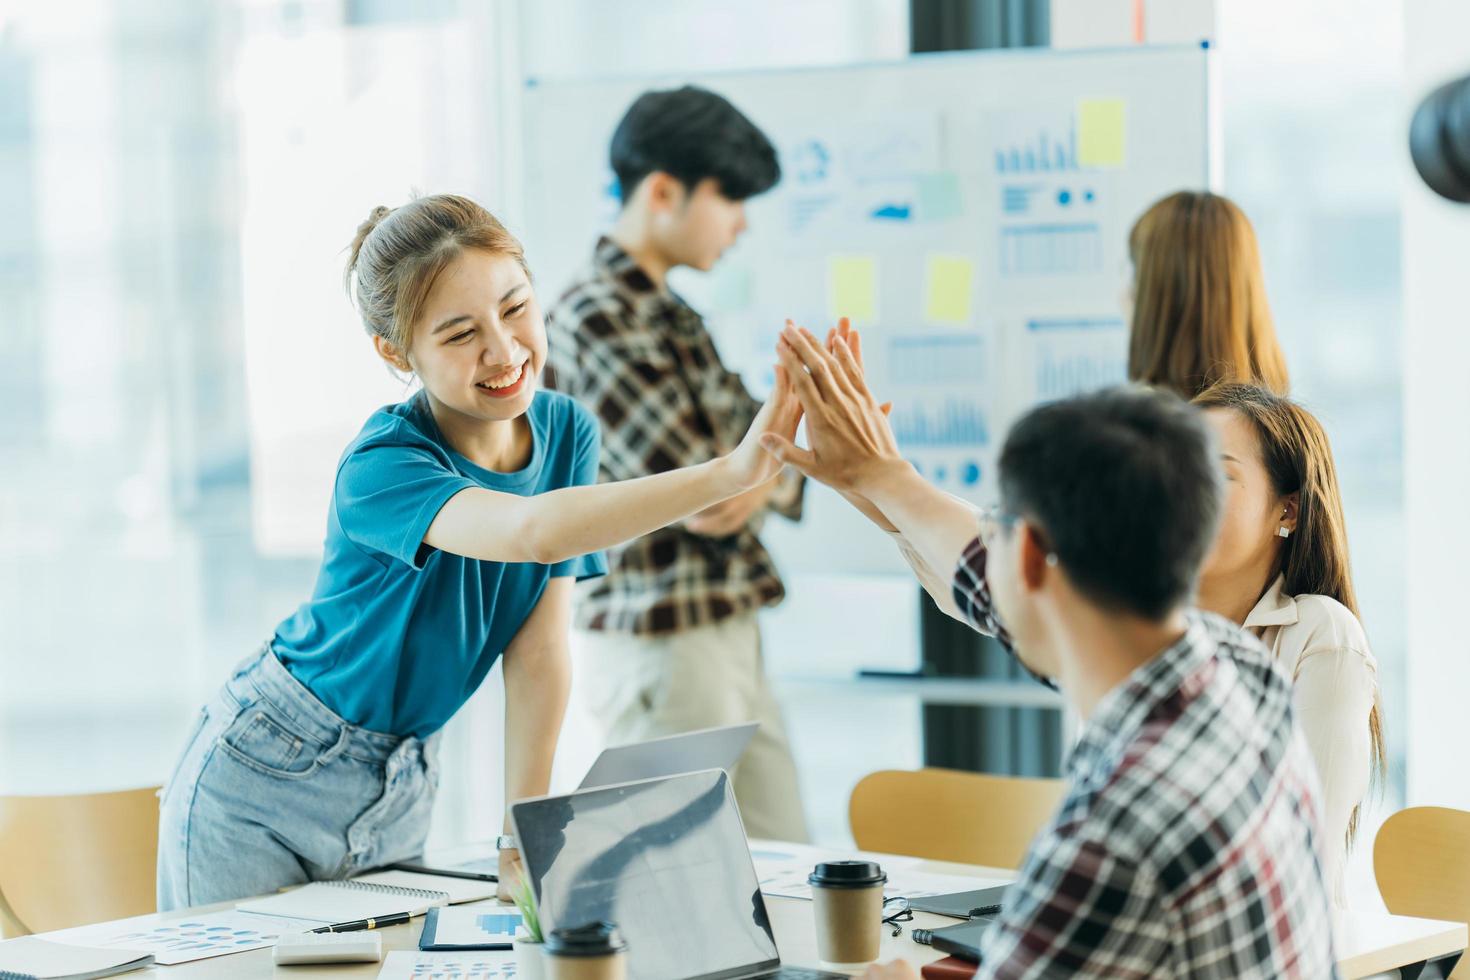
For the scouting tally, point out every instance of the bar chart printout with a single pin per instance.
(1072, 356)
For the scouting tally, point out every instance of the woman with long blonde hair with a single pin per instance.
(1200, 314)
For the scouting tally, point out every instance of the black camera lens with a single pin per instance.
(1439, 140)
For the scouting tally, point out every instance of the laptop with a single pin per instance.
(708, 748)
(666, 860)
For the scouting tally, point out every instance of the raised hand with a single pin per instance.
(844, 331)
(778, 419)
(850, 439)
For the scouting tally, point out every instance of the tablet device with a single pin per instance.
(962, 905)
(962, 940)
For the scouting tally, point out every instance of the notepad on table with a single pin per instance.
(373, 896)
(459, 890)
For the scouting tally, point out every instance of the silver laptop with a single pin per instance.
(666, 861)
(708, 748)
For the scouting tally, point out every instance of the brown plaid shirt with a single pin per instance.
(641, 360)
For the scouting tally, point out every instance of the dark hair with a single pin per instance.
(1298, 459)
(692, 133)
(398, 253)
(1124, 485)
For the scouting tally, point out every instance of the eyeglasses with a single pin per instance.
(896, 910)
(992, 520)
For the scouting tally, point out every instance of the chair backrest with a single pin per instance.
(71, 860)
(1421, 858)
(946, 815)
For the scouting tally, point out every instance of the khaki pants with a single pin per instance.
(636, 687)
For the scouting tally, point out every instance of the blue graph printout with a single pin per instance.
(413, 965)
(943, 396)
(1072, 356)
(470, 928)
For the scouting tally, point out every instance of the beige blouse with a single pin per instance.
(1323, 646)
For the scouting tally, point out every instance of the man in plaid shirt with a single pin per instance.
(1187, 844)
(668, 641)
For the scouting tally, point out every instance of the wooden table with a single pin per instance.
(1373, 942)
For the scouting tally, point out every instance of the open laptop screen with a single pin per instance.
(665, 860)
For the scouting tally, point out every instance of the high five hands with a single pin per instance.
(851, 443)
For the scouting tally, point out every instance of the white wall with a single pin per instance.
(1436, 269)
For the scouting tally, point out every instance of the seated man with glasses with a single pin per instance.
(1187, 842)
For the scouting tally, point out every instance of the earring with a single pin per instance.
(1283, 531)
(1051, 560)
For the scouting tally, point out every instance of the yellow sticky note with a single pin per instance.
(852, 286)
(948, 280)
(1101, 132)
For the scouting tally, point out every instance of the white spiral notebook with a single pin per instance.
(372, 896)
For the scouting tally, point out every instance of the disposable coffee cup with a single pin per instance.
(848, 903)
(595, 951)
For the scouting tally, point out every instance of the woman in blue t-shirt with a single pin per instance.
(459, 520)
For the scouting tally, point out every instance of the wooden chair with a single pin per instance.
(946, 815)
(1421, 858)
(71, 860)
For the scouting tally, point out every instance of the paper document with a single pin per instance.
(852, 288)
(182, 939)
(1102, 134)
(783, 869)
(948, 284)
(402, 965)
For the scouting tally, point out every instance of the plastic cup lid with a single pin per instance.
(591, 939)
(847, 874)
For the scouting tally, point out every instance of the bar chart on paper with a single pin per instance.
(1047, 150)
(952, 421)
(1071, 356)
(413, 965)
(936, 359)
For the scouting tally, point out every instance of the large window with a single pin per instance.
(180, 179)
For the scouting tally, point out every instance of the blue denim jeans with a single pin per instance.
(274, 789)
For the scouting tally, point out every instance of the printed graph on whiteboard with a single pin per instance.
(1071, 356)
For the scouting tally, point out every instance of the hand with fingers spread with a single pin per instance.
(864, 506)
(778, 420)
(851, 442)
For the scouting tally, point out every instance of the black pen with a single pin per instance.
(358, 925)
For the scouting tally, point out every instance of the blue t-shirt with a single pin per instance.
(398, 635)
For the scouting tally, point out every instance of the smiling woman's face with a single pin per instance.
(480, 343)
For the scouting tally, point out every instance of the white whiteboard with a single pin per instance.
(969, 211)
